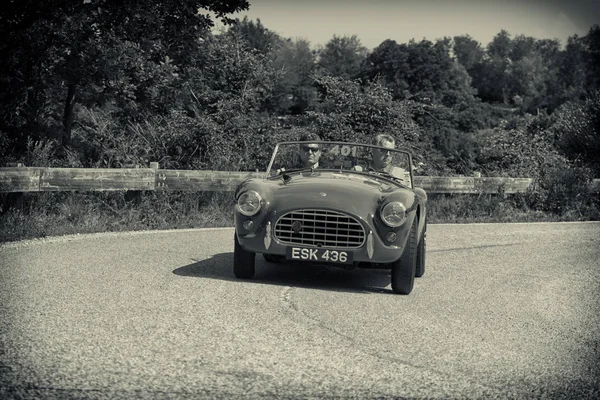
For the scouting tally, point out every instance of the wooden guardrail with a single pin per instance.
(39, 179)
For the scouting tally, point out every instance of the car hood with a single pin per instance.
(355, 193)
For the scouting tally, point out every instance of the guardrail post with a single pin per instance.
(477, 183)
(155, 166)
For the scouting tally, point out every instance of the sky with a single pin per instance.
(374, 21)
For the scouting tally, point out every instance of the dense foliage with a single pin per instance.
(106, 83)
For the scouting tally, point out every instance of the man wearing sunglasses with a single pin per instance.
(310, 152)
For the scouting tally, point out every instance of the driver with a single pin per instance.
(309, 152)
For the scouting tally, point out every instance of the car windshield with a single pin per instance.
(378, 161)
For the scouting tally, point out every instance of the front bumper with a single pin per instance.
(260, 239)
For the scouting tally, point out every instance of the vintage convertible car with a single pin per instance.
(356, 208)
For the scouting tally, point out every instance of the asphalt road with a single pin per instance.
(503, 311)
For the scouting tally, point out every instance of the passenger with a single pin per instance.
(382, 159)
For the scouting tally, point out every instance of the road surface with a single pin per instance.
(503, 311)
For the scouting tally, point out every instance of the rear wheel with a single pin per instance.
(403, 269)
(421, 253)
(243, 261)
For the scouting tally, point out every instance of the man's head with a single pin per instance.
(310, 152)
(381, 158)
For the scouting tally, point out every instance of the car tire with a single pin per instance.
(420, 270)
(243, 261)
(403, 269)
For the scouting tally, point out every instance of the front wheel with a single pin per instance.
(403, 269)
(243, 261)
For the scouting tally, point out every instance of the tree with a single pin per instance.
(592, 40)
(387, 63)
(572, 70)
(227, 92)
(296, 64)
(423, 70)
(532, 73)
(528, 78)
(520, 47)
(430, 68)
(523, 71)
(68, 43)
(501, 46)
(342, 56)
(216, 121)
(577, 69)
(467, 51)
(549, 50)
(491, 79)
(257, 35)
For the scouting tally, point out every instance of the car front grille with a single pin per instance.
(321, 228)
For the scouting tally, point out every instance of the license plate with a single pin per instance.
(318, 255)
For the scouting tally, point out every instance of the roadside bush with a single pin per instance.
(5, 149)
(474, 115)
(452, 134)
(577, 130)
(565, 192)
(459, 149)
(461, 208)
(517, 148)
(349, 111)
(41, 153)
(103, 142)
(39, 215)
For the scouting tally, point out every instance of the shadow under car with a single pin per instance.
(295, 274)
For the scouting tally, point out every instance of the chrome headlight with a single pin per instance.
(249, 203)
(393, 214)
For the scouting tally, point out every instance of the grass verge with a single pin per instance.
(37, 215)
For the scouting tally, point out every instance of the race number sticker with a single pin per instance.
(344, 150)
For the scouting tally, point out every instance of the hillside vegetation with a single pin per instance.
(106, 83)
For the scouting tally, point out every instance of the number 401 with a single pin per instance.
(345, 150)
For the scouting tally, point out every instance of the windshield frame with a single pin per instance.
(326, 142)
